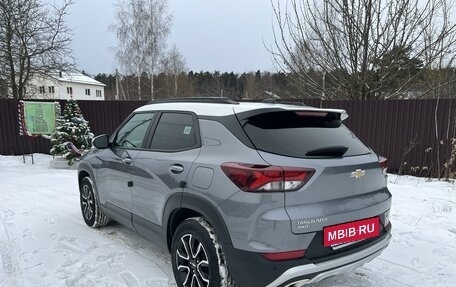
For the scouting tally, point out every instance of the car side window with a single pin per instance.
(132, 134)
(175, 132)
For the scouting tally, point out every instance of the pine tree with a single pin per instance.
(72, 133)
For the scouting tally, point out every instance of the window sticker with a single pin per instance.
(187, 130)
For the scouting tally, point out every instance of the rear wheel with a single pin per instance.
(90, 207)
(197, 258)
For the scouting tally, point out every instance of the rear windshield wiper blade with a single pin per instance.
(331, 151)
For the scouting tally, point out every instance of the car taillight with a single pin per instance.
(256, 178)
(279, 256)
(383, 164)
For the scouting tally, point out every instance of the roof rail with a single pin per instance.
(213, 100)
(270, 101)
(294, 103)
(275, 101)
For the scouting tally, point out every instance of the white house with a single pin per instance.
(66, 85)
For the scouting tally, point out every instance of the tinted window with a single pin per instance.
(174, 132)
(131, 135)
(303, 134)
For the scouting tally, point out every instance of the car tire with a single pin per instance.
(90, 207)
(197, 257)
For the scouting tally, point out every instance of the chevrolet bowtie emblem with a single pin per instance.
(358, 173)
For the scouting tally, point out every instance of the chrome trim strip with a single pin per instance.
(333, 267)
(340, 246)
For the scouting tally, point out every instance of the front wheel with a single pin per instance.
(90, 207)
(197, 257)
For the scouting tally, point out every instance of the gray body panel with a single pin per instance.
(218, 146)
(112, 177)
(260, 223)
(154, 183)
(332, 196)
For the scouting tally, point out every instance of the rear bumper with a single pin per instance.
(251, 269)
(330, 268)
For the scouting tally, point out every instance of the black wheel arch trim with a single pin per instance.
(176, 202)
(84, 167)
(199, 205)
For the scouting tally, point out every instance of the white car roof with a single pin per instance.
(224, 109)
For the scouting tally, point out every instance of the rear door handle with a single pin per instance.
(126, 160)
(176, 168)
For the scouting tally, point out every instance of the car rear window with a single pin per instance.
(303, 134)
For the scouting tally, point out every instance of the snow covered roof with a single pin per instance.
(76, 77)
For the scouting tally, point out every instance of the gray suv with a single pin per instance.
(241, 194)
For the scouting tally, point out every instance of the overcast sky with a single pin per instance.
(222, 35)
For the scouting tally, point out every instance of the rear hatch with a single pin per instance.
(347, 184)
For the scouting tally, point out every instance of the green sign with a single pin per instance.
(39, 117)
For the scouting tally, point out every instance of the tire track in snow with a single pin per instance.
(161, 260)
(10, 274)
(397, 264)
(82, 264)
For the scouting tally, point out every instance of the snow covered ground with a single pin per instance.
(45, 242)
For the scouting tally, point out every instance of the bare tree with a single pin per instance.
(173, 65)
(439, 74)
(360, 49)
(141, 29)
(34, 40)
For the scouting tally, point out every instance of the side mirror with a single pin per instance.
(101, 142)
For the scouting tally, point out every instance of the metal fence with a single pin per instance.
(103, 117)
(415, 135)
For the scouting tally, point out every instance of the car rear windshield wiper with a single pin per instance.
(331, 151)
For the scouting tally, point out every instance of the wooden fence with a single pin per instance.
(415, 135)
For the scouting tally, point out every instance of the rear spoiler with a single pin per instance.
(245, 113)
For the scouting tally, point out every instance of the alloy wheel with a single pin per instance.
(192, 262)
(87, 202)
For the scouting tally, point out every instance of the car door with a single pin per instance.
(114, 178)
(162, 170)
